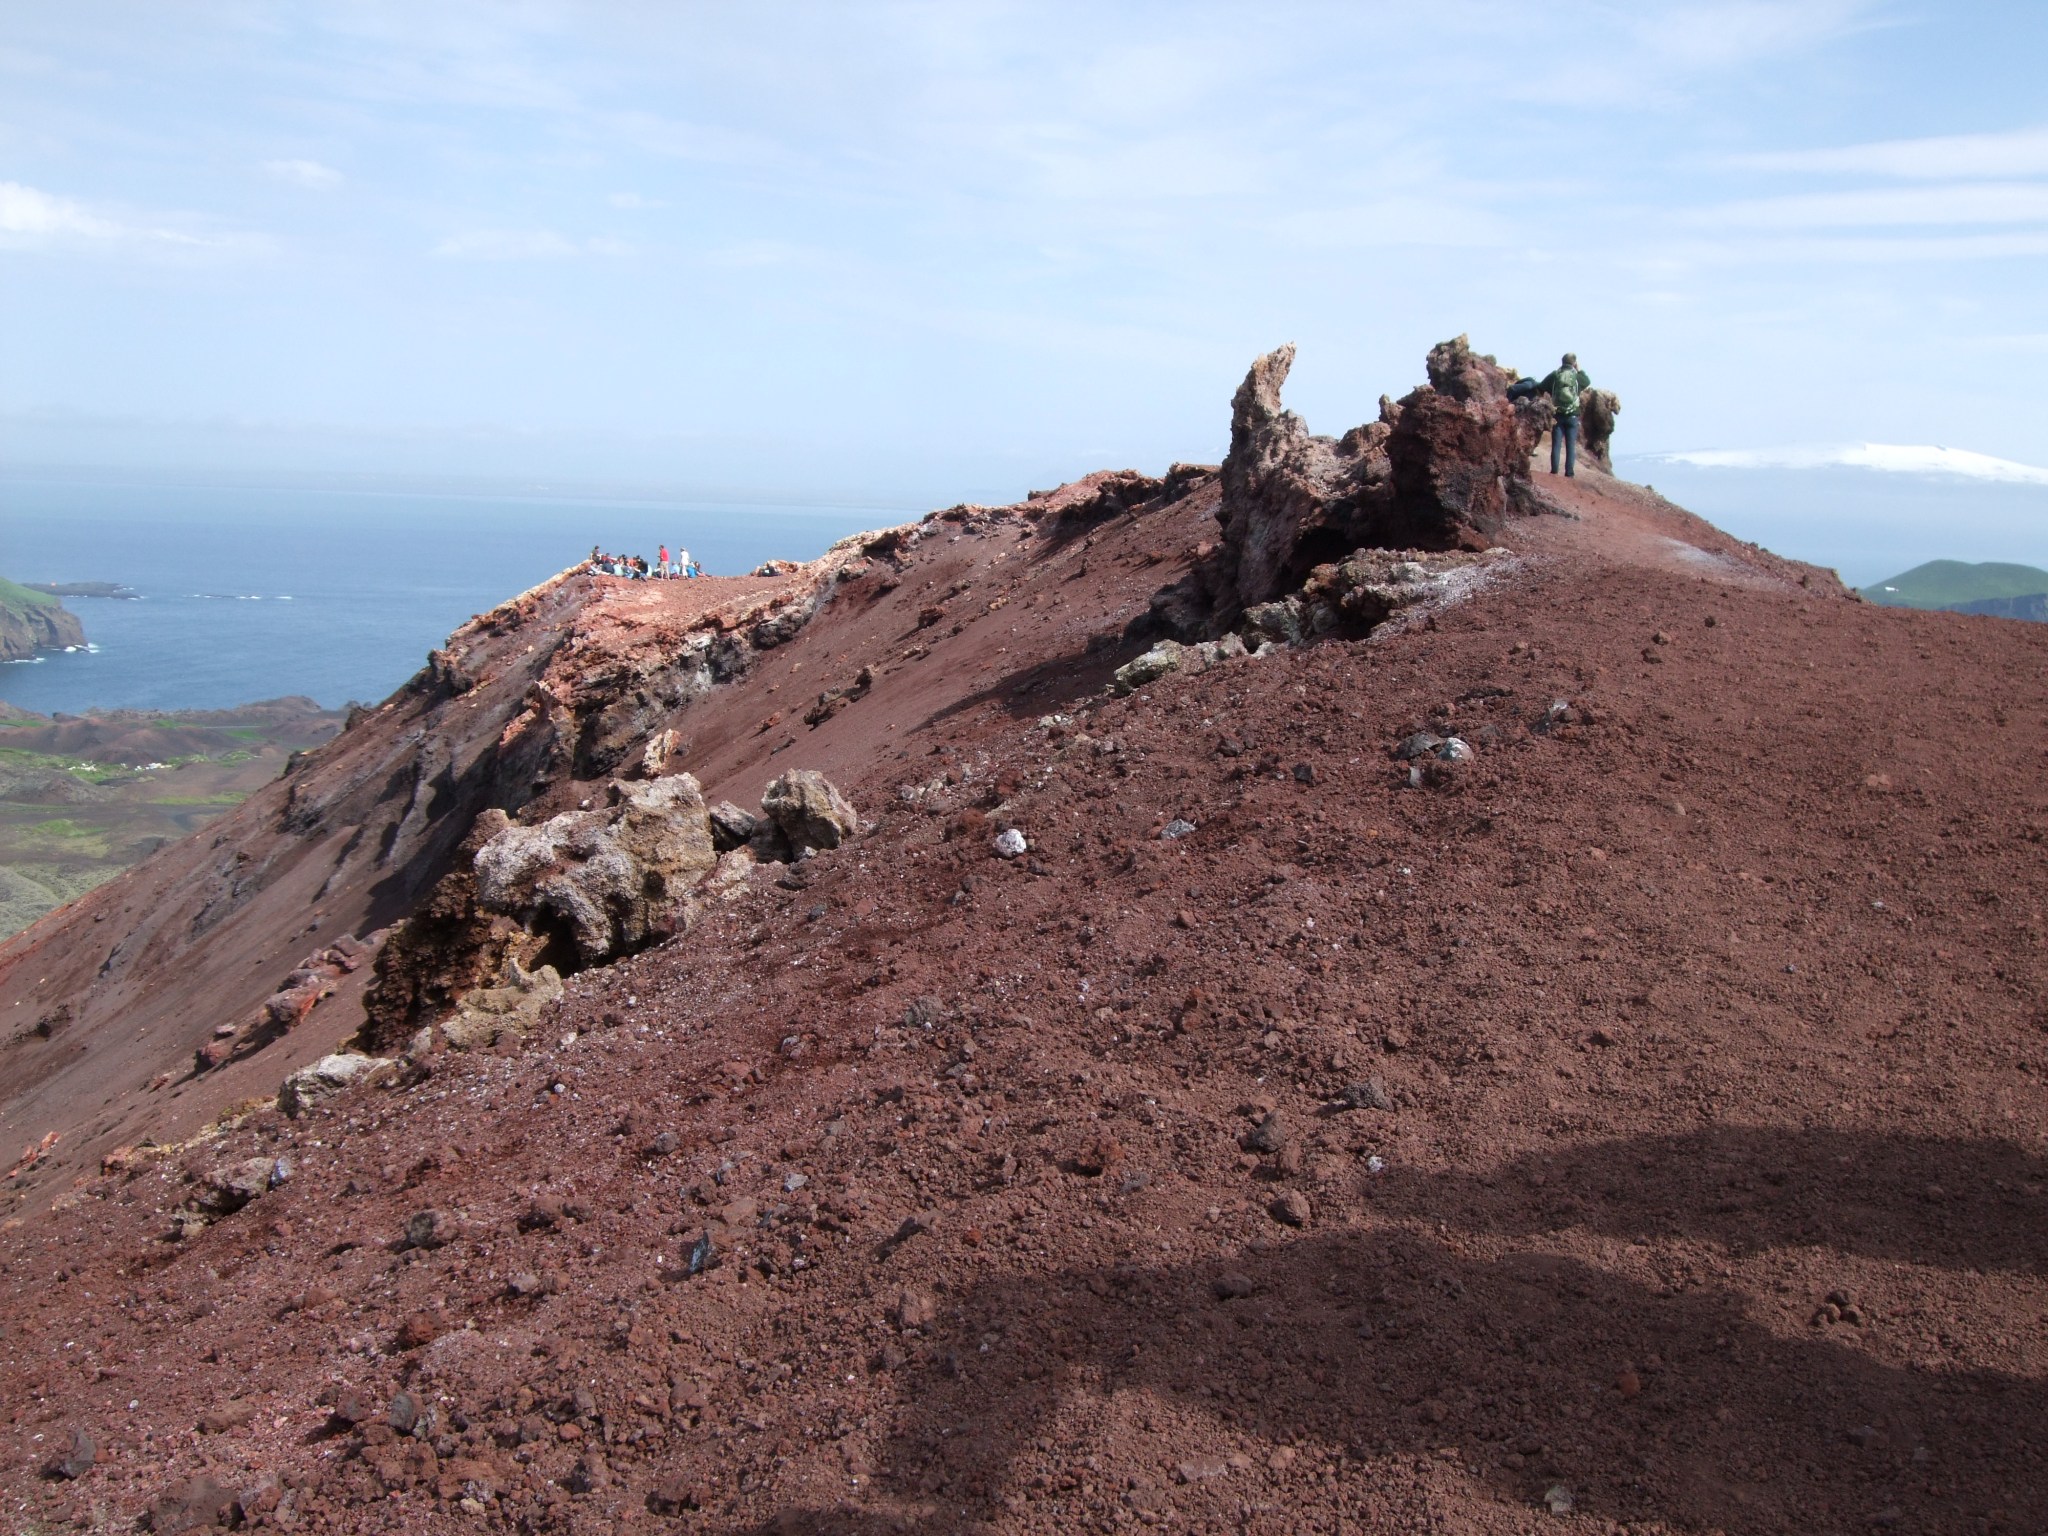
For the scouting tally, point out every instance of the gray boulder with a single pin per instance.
(731, 827)
(1421, 744)
(1163, 658)
(322, 1080)
(809, 811)
(614, 878)
(230, 1188)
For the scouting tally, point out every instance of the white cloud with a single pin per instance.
(634, 200)
(1955, 157)
(743, 254)
(506, 245)
(1719, 34)
(525, 245)
(1864, 250)
(2004, 202)
(706, 143)
(304, 173)
(2018, 341)
(1893, 458)
(36, 220)
(1397, 220)
(27, 215)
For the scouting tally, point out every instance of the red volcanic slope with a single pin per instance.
(1636, 1127)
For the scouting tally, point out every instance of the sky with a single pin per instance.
(920, 253)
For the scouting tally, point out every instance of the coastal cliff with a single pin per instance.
(33, 621)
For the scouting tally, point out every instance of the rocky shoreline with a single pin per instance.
(83, 589)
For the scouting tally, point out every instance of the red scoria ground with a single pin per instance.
(1707, 1194)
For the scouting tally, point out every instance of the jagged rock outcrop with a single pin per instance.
(1171, 656)
(1284, 487)
(732, 826)
(606, 880)
(1457, 446)
(1597, 410)
(311, 982)
(1435, 472)
(1094, 499)
(1364, 591)
(606, 707)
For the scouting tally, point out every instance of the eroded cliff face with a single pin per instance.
(172, 966)
(31, 622)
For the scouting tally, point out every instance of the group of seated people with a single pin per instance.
(636, 568)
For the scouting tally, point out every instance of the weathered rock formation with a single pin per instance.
(605, 881)
(1358, 594)
(447, 948)
(485, 953)
(1597, 410)
(1457, 447)
(1284, 488)
(310, 983)
(1439, 470)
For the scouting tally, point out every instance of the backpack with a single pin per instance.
(1565, 385)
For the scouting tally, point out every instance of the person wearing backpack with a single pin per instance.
(1566, 385)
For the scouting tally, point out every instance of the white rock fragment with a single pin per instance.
(323, 1079)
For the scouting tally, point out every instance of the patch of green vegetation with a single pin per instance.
(63, 882)
(62, 826)
(14, 595)
(246, 733)
(228, 797)
(1947, 583)
(94, 773)
(236, 756)
(60, 842)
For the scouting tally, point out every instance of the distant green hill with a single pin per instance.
(1987, 588)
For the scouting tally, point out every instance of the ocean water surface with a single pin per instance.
(252, 593)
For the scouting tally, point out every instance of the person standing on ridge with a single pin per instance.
(662, 568)
(1565, 385)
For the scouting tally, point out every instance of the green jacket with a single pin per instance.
(1564, 386)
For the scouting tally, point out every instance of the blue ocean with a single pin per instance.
(251, 592)
(338, 591)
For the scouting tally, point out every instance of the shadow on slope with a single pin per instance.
(1661, 1394)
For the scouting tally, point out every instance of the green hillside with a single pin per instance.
(1951, 583)
(14, 597)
